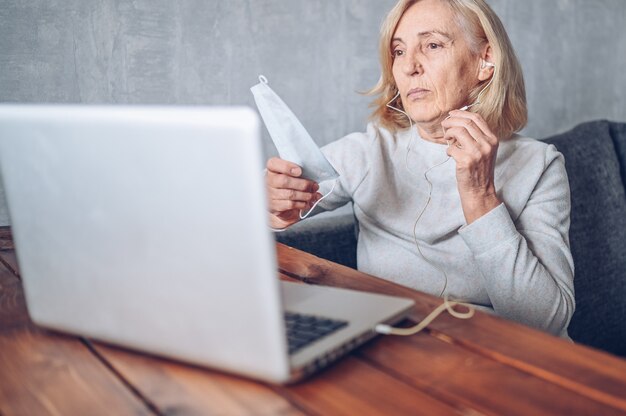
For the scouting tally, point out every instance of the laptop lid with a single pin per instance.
(146, 227)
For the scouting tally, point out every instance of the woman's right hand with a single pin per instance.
(288, 193)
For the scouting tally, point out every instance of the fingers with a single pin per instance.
(282, 174)
(278, 165)
(287, 192)
(473, 123)
(279, 207)
(464, 131)
(291, 195)
(284, 207)
(469, 135)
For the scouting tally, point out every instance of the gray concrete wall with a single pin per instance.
(316, 53)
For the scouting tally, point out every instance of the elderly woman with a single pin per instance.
(449, 200)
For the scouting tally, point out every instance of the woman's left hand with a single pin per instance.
(474, 147)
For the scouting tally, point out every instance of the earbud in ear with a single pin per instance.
(484, 64)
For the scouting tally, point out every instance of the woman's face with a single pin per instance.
(433, 66)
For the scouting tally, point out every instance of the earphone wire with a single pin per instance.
(447, 304)
(430, 190)
(495, 68)
(430, 185)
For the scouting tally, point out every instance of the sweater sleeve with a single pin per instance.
(527, 265)
(350, 157)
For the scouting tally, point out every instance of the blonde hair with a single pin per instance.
(502, 105)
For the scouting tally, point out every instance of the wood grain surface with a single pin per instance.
(44, 373)
(583, 371)
(482, 366)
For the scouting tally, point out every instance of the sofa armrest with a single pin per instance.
(595, 154)
(329, 237)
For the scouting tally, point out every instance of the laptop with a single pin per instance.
(147, 227)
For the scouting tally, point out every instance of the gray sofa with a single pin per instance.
(595, 159)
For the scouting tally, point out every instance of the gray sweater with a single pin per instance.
(515, 260)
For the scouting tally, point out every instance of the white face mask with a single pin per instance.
(290, 137)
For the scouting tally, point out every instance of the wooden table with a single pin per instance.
(484, 365)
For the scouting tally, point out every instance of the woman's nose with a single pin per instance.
(411, 64)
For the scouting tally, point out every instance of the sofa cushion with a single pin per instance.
(597, 233)
(618, 133)
(330, 237)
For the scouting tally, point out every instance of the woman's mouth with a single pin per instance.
(417, 93)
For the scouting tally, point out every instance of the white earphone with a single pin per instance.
(484, 64)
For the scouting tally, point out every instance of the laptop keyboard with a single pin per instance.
(303, 330)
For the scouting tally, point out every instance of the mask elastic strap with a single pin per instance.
(280, 230)
(318, 201)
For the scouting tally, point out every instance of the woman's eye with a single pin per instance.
(397, 52)
(433, 46)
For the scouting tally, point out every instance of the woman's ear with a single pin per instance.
(487, 67)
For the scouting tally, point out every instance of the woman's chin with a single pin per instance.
(428, 121)
(426, 113)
